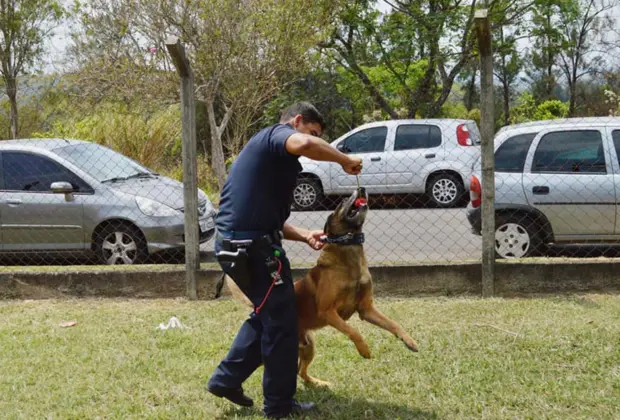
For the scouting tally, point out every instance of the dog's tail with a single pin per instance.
(235, 291)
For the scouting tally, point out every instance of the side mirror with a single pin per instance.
(61, 188)
(341, 147)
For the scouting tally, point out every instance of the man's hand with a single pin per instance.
(353, 166)
(313, 239)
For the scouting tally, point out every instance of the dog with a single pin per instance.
(337, 287)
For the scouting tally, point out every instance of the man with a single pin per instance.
(255, 204)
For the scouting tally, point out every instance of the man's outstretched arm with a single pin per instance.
(316, 148)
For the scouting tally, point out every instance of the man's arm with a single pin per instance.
(294, 233)
(316, 148)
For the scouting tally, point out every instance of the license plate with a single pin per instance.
(205, 225)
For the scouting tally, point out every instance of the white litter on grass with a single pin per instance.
(172, 323)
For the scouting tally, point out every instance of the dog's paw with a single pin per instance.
(319, 383)
(363, 350)
(411, 344)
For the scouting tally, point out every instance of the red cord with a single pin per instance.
(273, 283)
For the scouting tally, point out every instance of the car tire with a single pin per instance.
(445, 190)
(120, 244)
(307, 194)
(517, 236)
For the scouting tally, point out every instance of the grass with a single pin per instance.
(563, 363)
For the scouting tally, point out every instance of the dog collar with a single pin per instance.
(347, 239)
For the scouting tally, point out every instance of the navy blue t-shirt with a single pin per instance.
(258, 192)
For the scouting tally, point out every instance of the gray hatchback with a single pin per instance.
(73, 197)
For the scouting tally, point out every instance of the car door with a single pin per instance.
(415, 147)
(369, 145)
(33, 217)
(614, 133)
(570, 180)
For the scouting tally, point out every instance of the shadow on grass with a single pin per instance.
(334, 406)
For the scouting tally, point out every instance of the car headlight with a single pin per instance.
(154, 208)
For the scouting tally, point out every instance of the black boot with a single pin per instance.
(234, 395)
(298, 409)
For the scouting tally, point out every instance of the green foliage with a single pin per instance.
(529, 110)
(147, 138)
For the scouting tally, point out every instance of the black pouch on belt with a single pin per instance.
(235, 253)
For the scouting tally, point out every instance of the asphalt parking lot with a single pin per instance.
(397, 236)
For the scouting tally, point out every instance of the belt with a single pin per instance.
(258, 237)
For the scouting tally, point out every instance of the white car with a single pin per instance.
(431, 156)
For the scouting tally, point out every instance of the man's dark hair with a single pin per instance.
(308, 113)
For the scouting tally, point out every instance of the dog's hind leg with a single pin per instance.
(369, 313)
(306, 354)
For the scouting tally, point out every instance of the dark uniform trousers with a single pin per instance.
(271, 337)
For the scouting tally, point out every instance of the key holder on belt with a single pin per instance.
(275, 275)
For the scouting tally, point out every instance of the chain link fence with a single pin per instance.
(71, 202)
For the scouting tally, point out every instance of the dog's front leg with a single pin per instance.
(375, 317)
(332, 318)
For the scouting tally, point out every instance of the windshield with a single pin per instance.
(100, 162)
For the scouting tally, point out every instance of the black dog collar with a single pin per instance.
(347, 239)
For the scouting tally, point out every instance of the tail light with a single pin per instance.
(462, 135)
(475, 192)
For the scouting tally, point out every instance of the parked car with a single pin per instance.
(556, 182)
(73, 197)
(431, 156)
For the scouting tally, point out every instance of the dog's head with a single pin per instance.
(349, 216)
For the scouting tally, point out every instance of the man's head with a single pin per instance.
(305, 118)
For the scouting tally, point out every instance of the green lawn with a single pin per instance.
(563, 362)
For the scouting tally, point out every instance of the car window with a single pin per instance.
(366, 141)
(510, 156)
(570, 152)
(411, 137)
(29, 172)
(616, 136)
(100, 162)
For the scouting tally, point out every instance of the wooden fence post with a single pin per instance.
(487, 132)
(190, 173)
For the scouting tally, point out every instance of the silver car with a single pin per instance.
(556, 183)
(73, 197)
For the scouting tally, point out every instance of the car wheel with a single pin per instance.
(120, 244)
(516, 237)
(446, 190)
(307, 194)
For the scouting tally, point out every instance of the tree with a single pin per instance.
(242, 53)
(584, 25)
(422, 45)
(508, 64)
(240, 50)
(25, 25)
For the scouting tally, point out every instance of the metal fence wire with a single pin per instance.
(77, 202)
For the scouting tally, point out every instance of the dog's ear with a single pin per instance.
(327, 223)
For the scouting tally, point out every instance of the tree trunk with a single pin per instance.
(217, 149)
(11, 92)
(471, 91)
(573, 100)
(506, 102)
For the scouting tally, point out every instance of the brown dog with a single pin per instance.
(338, 286)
